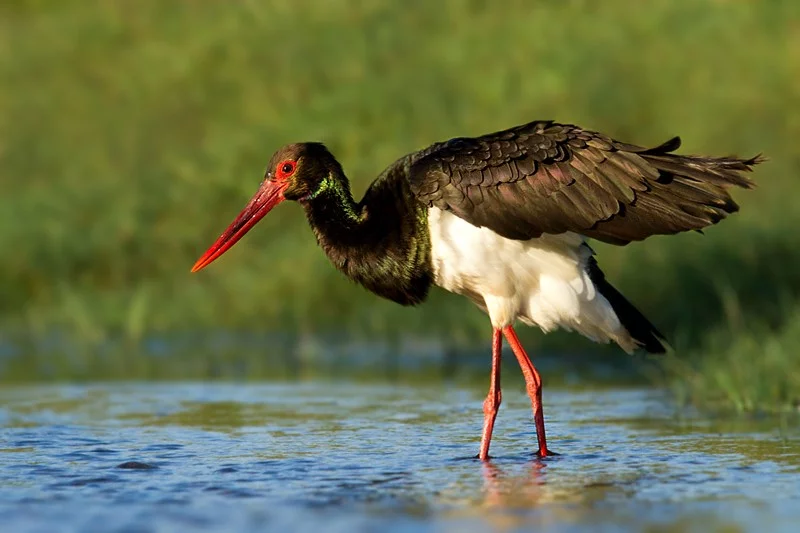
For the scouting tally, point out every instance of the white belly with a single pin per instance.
(542, 282)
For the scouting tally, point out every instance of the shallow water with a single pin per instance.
(314, 456)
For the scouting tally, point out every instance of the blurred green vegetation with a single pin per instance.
(132, 132)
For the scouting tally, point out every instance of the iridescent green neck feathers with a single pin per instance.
(382, 242)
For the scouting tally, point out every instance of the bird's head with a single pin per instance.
(295, 172)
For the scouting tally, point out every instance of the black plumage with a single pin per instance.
(544, 177)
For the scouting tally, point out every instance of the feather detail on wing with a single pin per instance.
(545, 177)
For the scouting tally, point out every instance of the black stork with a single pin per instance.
(503, 219)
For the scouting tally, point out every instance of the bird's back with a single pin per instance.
(544, 177)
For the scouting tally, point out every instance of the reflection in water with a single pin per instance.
(310, 456)
(506, 489)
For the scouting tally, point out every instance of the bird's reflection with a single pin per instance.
(505, 489)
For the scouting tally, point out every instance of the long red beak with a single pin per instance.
(268, 196)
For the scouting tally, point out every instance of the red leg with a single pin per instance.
(533, 384)
(492, 402)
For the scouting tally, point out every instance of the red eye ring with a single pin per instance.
(285, 169)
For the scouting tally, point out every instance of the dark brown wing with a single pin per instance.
(545, 177)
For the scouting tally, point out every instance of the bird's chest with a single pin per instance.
(393, 263)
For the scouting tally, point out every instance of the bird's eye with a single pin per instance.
(286, 169)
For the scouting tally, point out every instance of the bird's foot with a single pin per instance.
(547, 453)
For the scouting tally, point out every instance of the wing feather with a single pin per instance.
(544, 177)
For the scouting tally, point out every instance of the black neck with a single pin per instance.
(381, 242)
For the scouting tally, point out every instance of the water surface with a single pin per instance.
(315, 456)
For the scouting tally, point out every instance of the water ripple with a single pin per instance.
(133, 457)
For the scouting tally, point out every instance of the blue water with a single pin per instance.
(314, 456)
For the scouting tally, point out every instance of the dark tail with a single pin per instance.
(634, 321)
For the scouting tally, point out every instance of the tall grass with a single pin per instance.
(132, 132)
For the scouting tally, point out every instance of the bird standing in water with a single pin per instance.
(503, 219)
